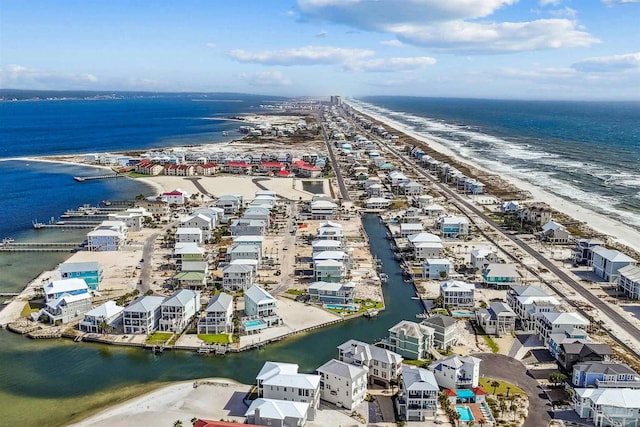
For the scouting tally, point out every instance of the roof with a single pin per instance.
(144, 304)
(68, 267)
(248, 239)
(324, 243)
(617, 397)
(411, 329)
(563, 318)
(211, 423)
(270, 369)
(424, 238)
(500, 270)
(334, 255)
(418, 379)
(455, 361)
(328, 263)
(277, 409)
(66, 285)
(331, 286)
(457, 285)
(481, 252)
(343, 369)
(181, 297)
(584, 349)
(190, 275)
(437, 261)
(200, 266)
(258, 295)
(496, 309)
(237, 268)
(330, 224)
(454, 220)
(440, 320)
(606, 368)
(188, 248)
(362, 351)
(245, 248)
(612, 255)
(631, 272)
(529, 291)
(67, 298)
(411, 226)
(200, 216)
(319, 204)
(106, 310)
(552, 226)
(220, 302)
(188, 230)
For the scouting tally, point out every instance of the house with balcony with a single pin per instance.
(205, 223)
(458, 294)
(275, 413)
(453, 227)
(377, 203)
(409, 228)
(108, 236)
(231, 203)
(101, 319)
(457, 372)
(343, 384)
(436, 269)
(583, 250)
(282, 382)
(410, 340)
(481, 257)
(184, 252)
(536, 214)
(175, 197)
(608, 406)
(218, 316)
(249, 240)
(237, 277)
(90, 272)
(239, 168)
(384, 365)
(558, 322)
(192, 275)
(573, 353)
(259, 309)
(444, 330)
(607, 262)
(425, 246)
(156, 206)
(497, 319)
(178, 309)
(629, 281)
(207, 169)
(323, 209)
(66, 307)
(500, 276)
(248, 227)
(530, 302)
(142, 315)
(329, 270)
(189, 235)
(259, 213)
(418, 394)
(555, 233)
(251, 252)
(412, 188)
(57, 288)
(326, 245)
(604, 375)
(332, 292)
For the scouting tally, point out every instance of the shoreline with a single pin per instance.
(618, 231)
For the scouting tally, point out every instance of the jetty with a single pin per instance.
(93, 178)
(65, 224)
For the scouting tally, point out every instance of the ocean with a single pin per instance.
(585, 152)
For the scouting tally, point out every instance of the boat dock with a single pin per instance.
(66, 224)
(8, 245)
(93, 178)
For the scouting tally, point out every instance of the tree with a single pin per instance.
(557, 378)
(508, 390)
(456, 417)
(514, 409)
(495, 384)
(140, 197)
(177, 423)
(503, 406)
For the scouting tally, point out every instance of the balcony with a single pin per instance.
(618, 384)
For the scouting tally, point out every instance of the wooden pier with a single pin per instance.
(8, 245)
(93, 178)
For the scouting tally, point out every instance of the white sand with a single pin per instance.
(622, 233)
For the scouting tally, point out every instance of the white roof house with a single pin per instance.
(607, 262)
(424, 238)
(457, 293)
(334, 255)
(409, 228)
(330, 224)
(106, 310)
(277, 412)
(57, 288)
(608, 406)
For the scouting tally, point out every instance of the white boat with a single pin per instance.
(371, 312)
(422, 315)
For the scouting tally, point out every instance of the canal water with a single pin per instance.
(315, 187)
(46, 382)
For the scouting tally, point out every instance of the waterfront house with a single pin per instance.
(457, 294)
(90, 272)
(271, 167)
(454, 226)
(378, 203)
(178, 170)
(133, 218)
(343, 384)
(436, 269)
(57, 288)
(147, 167)
(604, 375)
(555, 233)
(142, 315)
(497, 319)
(108, 236)
(102, 319)
(536, 214)
(231, 203)
(411, 340)
(607, 262)
(323, 209)
(629, 281)
(189, 235)
(444, 330)
(184, 252)
(529, 302)
(500, 276)
(328, 270)
(558, 322)
(326, 245)
(281, 381)
(277, 413)
(175, 197)
(65, 300)
(457, 372)
(156, 206)
(237, 277)
(608, 406)
(583, 250)
(177, 310)
(409, 228)
(481, 257)
(418, 394)
(425, 246)
(203, 222)
(248, 227)
(218, 315)
(384, 365)
(332, 292)
(572, 353)
(259, 304)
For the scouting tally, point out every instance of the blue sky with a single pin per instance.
(526, 49)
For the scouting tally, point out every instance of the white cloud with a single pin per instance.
(392, 43)
(547, 2)
(452, 25)
(497, 37)
(210, 45)
(533, 74)
(19, 76)
(265, 78)
(308, 55)
(391, 64)
(565, 11)
(606, 64)
(614, 2)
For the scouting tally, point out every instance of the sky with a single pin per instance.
(506, 49)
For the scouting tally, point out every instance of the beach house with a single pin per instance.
(536, 214)
(583, 250)
(248, 227)
(409, 228)
(175, 197)
(276, 413)
(608, 406)
(184, 252)
(500, 276)
(456, 372)
(410, 340)
(581, 351)
(207, 169)
(418, 394)
(240, 168)
(436, 269)
(237, 277)
(326, 245)
(425, 246)
(444, 330)
(90, 272)
(377, 203)
(108, 236)
(332, 292)
(481, 257)
(607, 262)
(57, 288)
(555, 233)
(258, 213)
(65, 300)
(251, 252)
(497, 319)
(457, 294)
(206, 223)
(453, 227)
(529, 302)
(558, 322)
(178, 309)
(231, 203)
(322, 209)
(629, 281)
(101, 319)
(328, 270)
(260, 305)
(281, 381)
(412, 188)
(142, 315)
(192, 275)
(343, 384)
(604, 375)
(218, 315)
(384, 365)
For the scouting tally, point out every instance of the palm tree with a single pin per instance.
(177, 423)
(503, 407)
(495, 384)
(513, 408)
(456, 417)
(508, 390)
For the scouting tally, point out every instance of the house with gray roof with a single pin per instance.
(248, 227)
(629, 281)
(276, 413)
(103, 318)
(604, 375)
(444, 330)
(343, 384)
(497, 319)
(578, 352)
(237, 277)
(384, 365)
(178, 309)
(418, 394)
(218, 315)
(142, 315)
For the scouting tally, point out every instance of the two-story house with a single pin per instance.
(384, 366)
(456, 372)
(177, 310)
(218, 315)
(418, 394)
(343, 384)
(604, 375)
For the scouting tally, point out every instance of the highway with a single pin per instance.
(334, 163)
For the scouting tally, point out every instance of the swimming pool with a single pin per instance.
(465, 413)
(252, 323)
(465, 394)
(463, 313)
(341, 307)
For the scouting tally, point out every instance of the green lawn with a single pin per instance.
(366, 304)
(159, 337)
(215, 338)
(485, 383)
(28, 309)
(491, 343)
(295, 291)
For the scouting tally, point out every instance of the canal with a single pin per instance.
(47, 382)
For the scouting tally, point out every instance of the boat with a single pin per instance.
(225, 133)
(371, 313)
(422, 315)
(384, 277)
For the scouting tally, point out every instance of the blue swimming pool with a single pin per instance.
(465, 394)
(341, 307)
(252, 323)
(465, 413)
(463, 313)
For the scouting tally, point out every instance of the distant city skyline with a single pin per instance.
(509, 49)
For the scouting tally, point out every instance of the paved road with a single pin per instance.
(508, 369)
(336, 169)
(145, 273)
(201, 189)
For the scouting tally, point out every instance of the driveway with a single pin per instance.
(509, 369)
